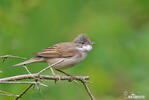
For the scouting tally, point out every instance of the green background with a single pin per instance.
(118, 62)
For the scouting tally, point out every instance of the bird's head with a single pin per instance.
(84, 41)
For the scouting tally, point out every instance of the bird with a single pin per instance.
(71, 53)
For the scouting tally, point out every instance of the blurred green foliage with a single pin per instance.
(118, 61)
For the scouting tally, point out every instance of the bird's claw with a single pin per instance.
(58, 77)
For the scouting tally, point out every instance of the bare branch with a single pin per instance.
(50, 66)
(87, 89)
(47, 77)
(10, 56)
(37, 77)
(31, 76)
(6, 93)
(14, 82)
(26, 69)
(21, 94)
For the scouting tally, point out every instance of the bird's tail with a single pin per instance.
(32, 60)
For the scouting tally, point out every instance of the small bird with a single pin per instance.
(70, 52)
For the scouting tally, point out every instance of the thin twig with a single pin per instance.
(50, 66)
(10, 56)
(87, 89)
(14, 82)
(6, 93)
(26, 69)
(36, 80)
(22, 93)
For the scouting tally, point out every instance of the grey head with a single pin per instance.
(83, 39)
(83, 42)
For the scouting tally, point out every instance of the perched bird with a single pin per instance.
(70, 52)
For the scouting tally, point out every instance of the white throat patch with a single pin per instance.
(85, 48)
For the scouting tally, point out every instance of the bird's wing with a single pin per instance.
(61, 50)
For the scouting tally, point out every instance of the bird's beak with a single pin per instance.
(92, 43)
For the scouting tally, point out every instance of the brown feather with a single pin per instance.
(61, 50)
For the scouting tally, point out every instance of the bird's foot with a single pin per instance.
(73, 77)
(58, 77)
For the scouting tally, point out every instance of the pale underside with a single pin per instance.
(67, 62)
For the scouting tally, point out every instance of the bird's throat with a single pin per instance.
(85, 48)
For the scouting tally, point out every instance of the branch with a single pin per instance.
(10, 56)
(37, 76)
(87, 89)
(6, 93)
(21, 94)
(50, 66)
(14, 82)
(47, 77)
